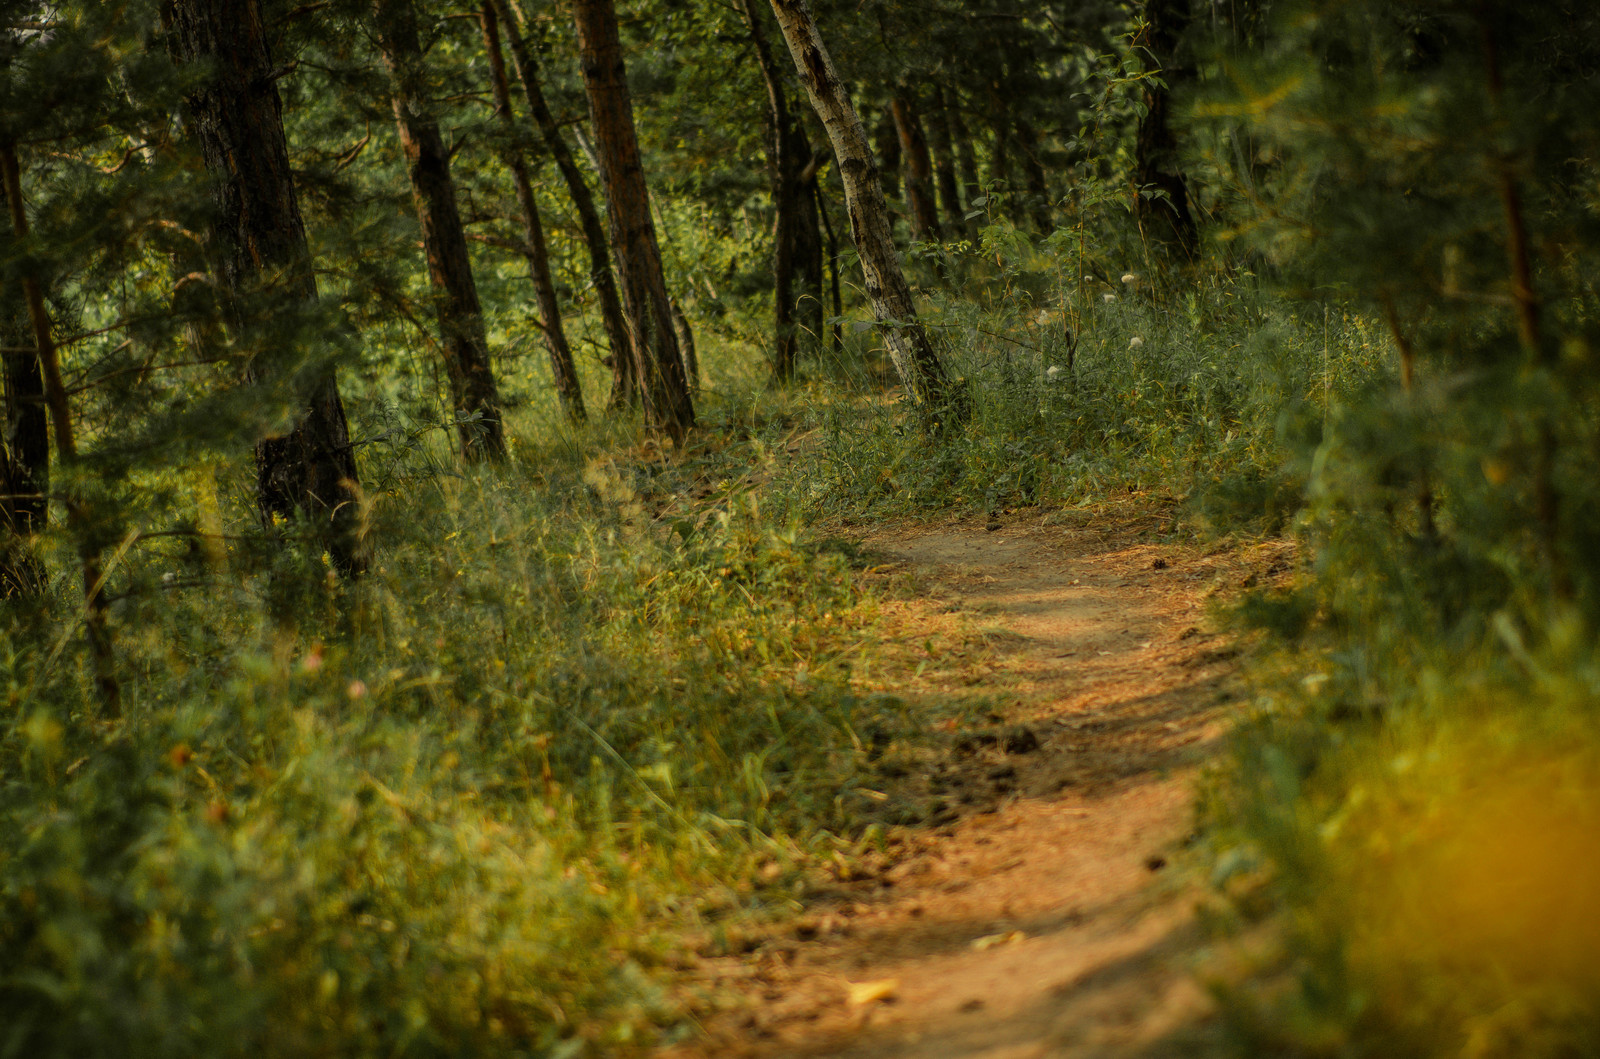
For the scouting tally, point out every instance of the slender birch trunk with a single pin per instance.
(919, 365)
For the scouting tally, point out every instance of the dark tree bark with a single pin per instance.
(538, 255)
(966, 154)
(79, 518)
(686, 346)
(260, 245)
(461, 330)
(836, 332)
(594, 233)
(797, 244)
(918, 363)
(1161, 201)
(1033, 176)
(944, 165)
(919, 169)
(24, 441)
(660, 377)
(886, 141)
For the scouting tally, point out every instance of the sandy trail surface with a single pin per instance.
(1046, 909)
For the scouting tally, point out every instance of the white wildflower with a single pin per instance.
(1052, 373)
(1108, 297)
(1135, 342)
(1130, 278)
(1043, 317)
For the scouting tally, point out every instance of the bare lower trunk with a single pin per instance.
(1162, 192)
(915, 359)
(944, 165)
(686, 346)
(782, 173)
(919, 170)
(1039, 204)
(836, 332)
(663, 388)
(966, 155)
(562, 367)
(612, 316)
(260, 241)
(463, 339)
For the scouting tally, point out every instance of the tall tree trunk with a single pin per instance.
(919, 169)
(966, 154)
(555, 337)
(1161, 197)
(663, 387)
(886, 142)
(944, 165)
(686, 346)
(1039, 205)
(810, 309)
(79, 518)
(788, 199)
(260, 243)
(612, 317)
(914, 357)
(461, 329)
(24, 441)
(836, 332)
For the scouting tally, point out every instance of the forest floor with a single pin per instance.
(1048, 907)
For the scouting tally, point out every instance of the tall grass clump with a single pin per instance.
(449, 809)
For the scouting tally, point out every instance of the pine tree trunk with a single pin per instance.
(787, 202)
(914, 357)
(463, 339)
(944, 165)
(919, 170)
(24, 441)
(612, 316)
(236, 116)
(886, 141)
(966, 155)
(836, 332)
(691, 355)
(810, 309)
(660, 376)
(1164, 215)
(1039, 205)
(562, 367)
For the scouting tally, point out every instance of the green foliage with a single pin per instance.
(443, 809)
(1407, 802)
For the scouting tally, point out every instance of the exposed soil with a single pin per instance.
(1044, 907)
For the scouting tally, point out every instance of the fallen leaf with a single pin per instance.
(880, 991)
(991, 941)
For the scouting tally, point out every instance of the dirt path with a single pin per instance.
(1047, 910)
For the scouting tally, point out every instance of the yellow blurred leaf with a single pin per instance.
(880, 991)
